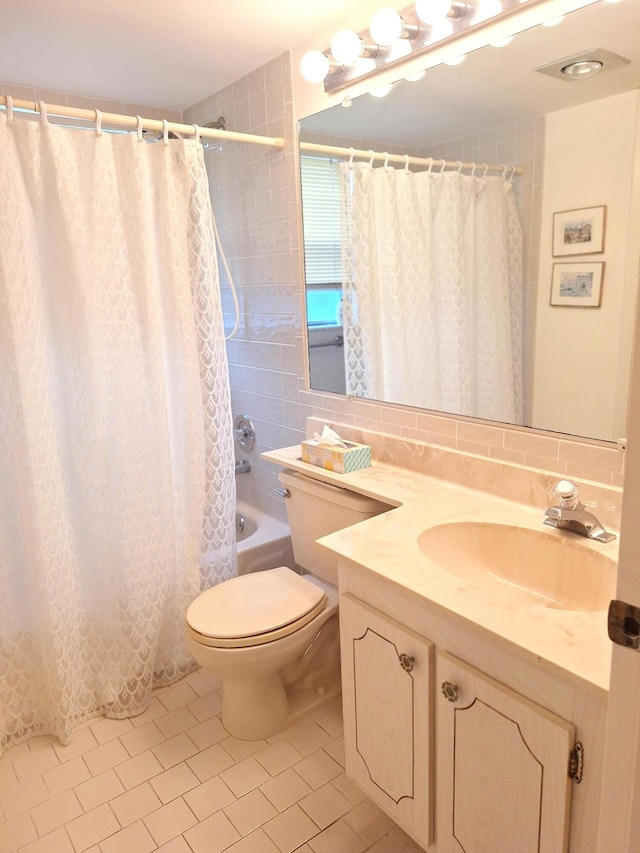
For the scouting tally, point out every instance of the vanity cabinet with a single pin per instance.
(503, 782)
(461, 761)
(387, 677)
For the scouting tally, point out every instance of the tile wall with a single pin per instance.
(27, 93)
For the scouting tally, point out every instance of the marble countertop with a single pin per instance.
(568, 642)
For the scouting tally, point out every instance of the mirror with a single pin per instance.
(578, 145)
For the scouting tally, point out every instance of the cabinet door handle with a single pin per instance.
(450, 691)
(406, 662)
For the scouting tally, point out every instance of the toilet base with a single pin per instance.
(259, 708)
(254, 708)
(303, 700)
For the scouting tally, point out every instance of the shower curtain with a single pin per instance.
(116, 456)
(432, 269)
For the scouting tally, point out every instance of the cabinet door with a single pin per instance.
(503, 767)
(388, 714)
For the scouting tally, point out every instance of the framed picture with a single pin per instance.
(577, 285)
(579, 232)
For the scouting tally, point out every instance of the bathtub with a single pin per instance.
(263, 542)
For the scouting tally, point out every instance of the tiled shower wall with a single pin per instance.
(256, 200)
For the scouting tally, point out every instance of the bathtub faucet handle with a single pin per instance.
(284, 493)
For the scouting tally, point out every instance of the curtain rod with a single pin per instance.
(406, 158)
(132, 122)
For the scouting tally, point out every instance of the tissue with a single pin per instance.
(333, 453)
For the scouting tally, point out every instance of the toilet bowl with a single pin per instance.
(272, 636)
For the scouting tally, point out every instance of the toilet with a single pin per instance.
(272, 636)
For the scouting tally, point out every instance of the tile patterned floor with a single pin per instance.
(173, 780)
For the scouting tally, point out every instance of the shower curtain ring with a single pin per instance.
(139, 126)
(386, 161)
(406, 163)
(459, 166)
(505, 169)
(486, 169)
(371, 159)
(352, 154)
(43, 113)
(98, 123)
(9, 105)
(513, 173)
(443, 164)
(431, 162)
(165, 131)
(196, 130)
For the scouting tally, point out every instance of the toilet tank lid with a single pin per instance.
(253, 604)
(332, 493)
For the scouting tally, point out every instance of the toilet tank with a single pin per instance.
(315, 509)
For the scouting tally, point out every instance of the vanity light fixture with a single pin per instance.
(397, 35)
(387, 26)
(346, 47)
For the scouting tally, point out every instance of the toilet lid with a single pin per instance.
(255, 604)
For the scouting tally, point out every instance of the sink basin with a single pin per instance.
(556, 570)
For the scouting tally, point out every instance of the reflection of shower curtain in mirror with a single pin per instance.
(433, 290)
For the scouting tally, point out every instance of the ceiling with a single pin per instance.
(496, 85)
(161, 53)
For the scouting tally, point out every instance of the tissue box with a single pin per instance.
(342, 460)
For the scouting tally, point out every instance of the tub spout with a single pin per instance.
(243, 467)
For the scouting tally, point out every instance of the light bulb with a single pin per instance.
(431, 11)
(382, 91)
(413, 78)
(554, 22)
(457, 60)
(586, 68)
(346, 47)
(440, 30)
(386, 26)
(486, 9)
(314, 66)
(502, 42)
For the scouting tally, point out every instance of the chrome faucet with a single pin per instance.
(571, 514)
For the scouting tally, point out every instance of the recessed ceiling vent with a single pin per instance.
(583, 65)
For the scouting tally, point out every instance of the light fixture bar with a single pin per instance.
(417, 36)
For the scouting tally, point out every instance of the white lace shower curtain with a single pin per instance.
(432, 268)
(116, 456)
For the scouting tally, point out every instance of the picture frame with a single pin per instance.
(579, 232)
(577, 285)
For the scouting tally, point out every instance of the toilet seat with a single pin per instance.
(253, 609)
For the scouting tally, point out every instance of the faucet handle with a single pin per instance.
(567, 493)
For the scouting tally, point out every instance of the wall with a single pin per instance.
(257, 203)
(588, 383)
(26, 93)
